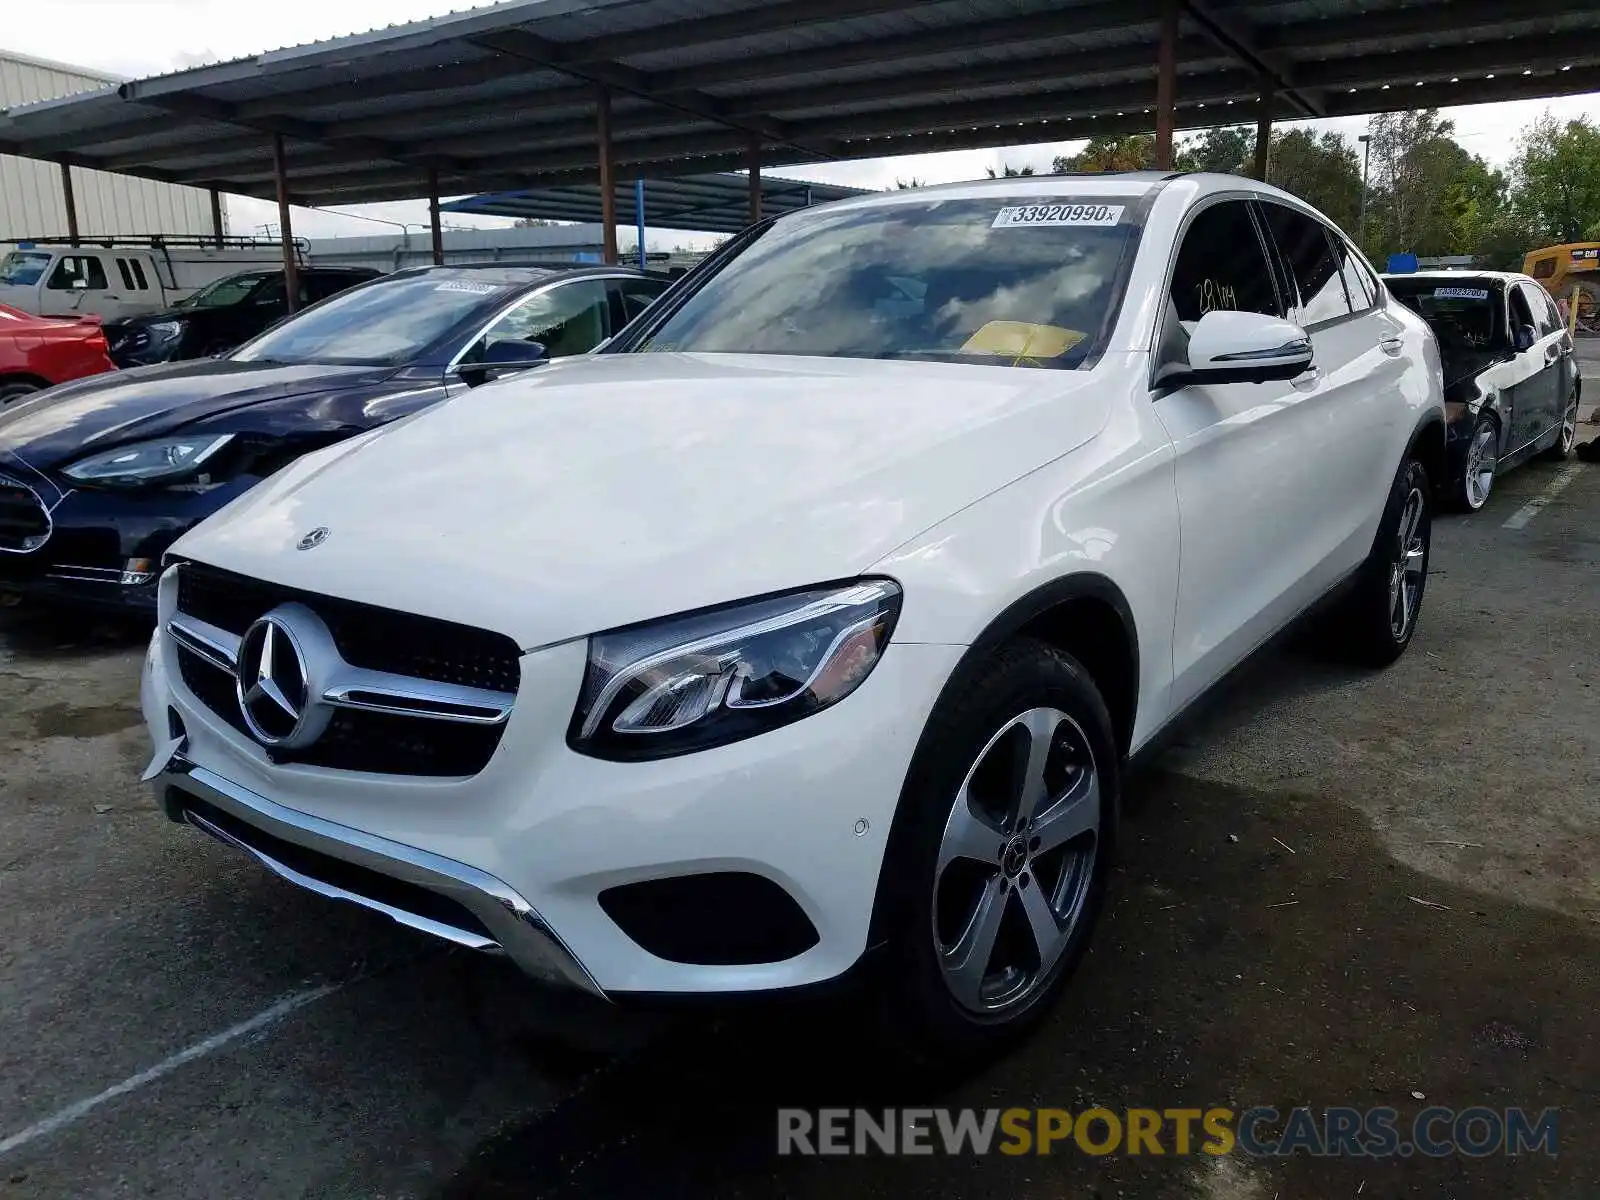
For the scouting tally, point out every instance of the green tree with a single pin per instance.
(1321, 169)
(1009, 172)
(1135, 152)
(914, 182)
(1556, 178)
(1229, 149)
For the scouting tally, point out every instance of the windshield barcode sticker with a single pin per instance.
(1456, 293)
(462, 285)
(1057, 214)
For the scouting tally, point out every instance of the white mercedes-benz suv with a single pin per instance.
(812, 622)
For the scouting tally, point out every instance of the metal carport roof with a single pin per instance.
(710, 203)
(506, 96)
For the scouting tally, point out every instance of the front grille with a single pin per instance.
(24, 523)
(356, 740)
(379, 639)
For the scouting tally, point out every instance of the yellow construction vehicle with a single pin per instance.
(1570, 273)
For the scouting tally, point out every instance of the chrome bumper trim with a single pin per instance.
(517, 929)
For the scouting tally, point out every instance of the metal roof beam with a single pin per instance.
(1067, 68)
(727, 27)
(1242, 43)
(484, 69)
(1408, 67)
(186, 104)
(518, 43)
(1459, 20)
(1056, 25)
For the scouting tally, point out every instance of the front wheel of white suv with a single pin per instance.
(997, 869)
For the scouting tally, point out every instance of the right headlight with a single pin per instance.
(706, 679)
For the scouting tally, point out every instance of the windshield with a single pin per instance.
(375, 324)
(994, 281)
(23, 267)
(1461, 315)
(230, 289)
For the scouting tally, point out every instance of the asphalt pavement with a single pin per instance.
(1337, 887)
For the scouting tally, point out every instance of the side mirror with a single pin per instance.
(504, 358)
(1524, 338)
(1240, 347)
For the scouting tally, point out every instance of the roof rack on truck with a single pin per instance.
(159, 241)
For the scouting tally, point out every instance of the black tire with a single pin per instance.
(1368, 631)
(921, 1018)
(1568, 435)
(15, 391)
(1467, 496)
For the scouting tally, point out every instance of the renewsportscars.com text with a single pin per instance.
(1335, 1132)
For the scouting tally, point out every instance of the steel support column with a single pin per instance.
(1264, 128)
(638, 217)
(755, 180)
(216, 216)
(433, 217)
(1166, 84)
(71, 203)
(608, 197)
(291, 276)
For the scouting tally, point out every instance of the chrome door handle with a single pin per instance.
(1391, 345)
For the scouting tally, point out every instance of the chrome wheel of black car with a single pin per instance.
(1410, 566)
(1483, 457)
(1016, 862)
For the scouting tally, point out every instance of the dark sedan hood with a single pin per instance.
(122, 406)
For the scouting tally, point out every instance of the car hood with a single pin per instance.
(617, 488)
(65, 422)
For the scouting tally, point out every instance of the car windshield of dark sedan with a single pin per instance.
(999, 281)
(376, 324)
(1461, 315)
(223, 292)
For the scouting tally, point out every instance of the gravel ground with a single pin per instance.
(1412, 904)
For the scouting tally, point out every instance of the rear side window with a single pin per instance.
(1223, 265)
(637, 295)
(75, 267)
(1306, 250)
(1545, 317)
(1357, 286)
(138, 274)
(127, 275)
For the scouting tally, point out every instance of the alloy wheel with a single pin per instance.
(1410, 565)
(1569, 429)
(1482, 460)
(1016, 861)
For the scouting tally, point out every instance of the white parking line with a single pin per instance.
(1532, 508)
(74, 1112)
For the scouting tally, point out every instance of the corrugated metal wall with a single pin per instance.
(30, 190)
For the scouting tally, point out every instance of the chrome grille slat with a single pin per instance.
(368, 720)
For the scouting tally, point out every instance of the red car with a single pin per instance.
(36, 352)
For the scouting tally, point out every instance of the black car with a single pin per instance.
(221, 315)
(99, 477)
(1511, 381)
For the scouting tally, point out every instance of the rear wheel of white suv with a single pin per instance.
(997, 869)
(1378, 617)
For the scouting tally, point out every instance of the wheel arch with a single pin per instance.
(1427, 446)
(9, 377)
(1086, 615)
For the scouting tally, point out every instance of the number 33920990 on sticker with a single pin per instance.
(1057, 214)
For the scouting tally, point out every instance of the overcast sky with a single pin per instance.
(148, 37)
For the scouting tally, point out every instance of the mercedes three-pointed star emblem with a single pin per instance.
(272, 688)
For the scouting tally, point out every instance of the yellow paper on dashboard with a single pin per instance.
(1022, 339)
